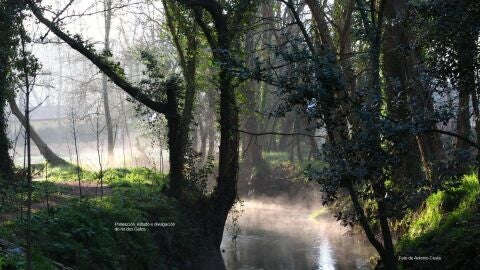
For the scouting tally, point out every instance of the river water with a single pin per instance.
(274, 236)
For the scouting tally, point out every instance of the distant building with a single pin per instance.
(48, 117)
(50, 122)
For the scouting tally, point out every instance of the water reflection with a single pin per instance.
(325, 258)
(274, 237)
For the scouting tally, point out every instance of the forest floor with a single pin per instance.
(84, 233)
(59, 192)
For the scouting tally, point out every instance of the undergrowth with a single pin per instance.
(82, 233)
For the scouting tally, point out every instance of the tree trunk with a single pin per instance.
(299, 149)
(272, 140)
(287, 127)
(211, 123)
(179, 122)
(226, 191)
(6, 166)
(6, 47)
(360, 213)
(465, 47)
(46, 152)
(405, 66)
(397, 85)
(203, 139)
(375, 39)
(106, 104)
(177, 150)
(476, 109)
(254, 163)
(314, 149)
(177, 142)
(389, 259)
(28, 155)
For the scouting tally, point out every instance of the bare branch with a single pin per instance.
(472, 143)
(280, 134)
(105, 65)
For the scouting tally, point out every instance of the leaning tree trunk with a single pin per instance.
(332, 108)
(46, 152)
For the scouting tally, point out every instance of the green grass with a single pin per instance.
(129, 177)
(283, 158)
(319, 213)
(445, 208)
(447, 226)
(112, 176)
(68, 173)
(16, 261)
(276, 158)
(40, 189)
(82, 233)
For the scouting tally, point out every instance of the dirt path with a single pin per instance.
(89, 189)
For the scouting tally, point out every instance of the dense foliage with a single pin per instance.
(82, 233)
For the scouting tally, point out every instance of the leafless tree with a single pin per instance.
(73, 119)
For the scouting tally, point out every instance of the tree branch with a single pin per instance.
(363, 220)
(214, 8)
(206, 30)
(472, 143)
(173, 32)
(280, 134)
(106, 66)
(300, 24)
(321, 23)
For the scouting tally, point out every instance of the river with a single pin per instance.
(281, 236)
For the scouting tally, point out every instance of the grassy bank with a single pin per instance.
(443, 232)
(83, 233)
(447, 226)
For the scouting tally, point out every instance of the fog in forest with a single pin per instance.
(239, 134)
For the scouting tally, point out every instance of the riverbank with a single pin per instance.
(442, 232)
(445, 231)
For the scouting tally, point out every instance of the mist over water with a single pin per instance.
(280, 235)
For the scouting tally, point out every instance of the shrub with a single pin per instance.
(82, 233)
